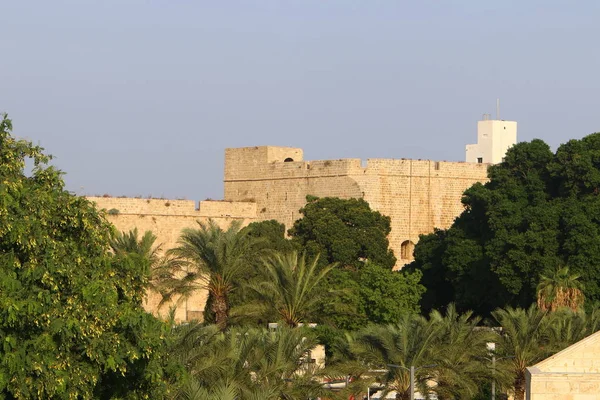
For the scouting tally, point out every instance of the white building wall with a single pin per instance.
(494, 138)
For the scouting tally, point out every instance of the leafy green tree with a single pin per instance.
(192, 390)
(346, 309)
(343, 231)
(292, 289)
(209, 258)
(349, 233)
(386, 295)
(270, 236)
(372, 294)
(539, 210)
(439, 290)
(71, 321)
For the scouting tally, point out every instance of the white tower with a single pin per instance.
(494, 137)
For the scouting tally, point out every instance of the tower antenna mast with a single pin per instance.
(498, 109)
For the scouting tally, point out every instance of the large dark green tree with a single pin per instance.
(538, 211)
(386, 295)
(347, 232)
(71, 319)
(343, 231)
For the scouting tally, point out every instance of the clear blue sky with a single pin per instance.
(142, 97)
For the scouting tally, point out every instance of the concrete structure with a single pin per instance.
(572, 374)
(268, 182)
(494, 137)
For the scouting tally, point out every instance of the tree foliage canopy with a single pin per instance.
(538, 211)
(343, 231)
(71, 321)
(349, 233)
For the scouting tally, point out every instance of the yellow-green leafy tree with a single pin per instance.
(71, 320)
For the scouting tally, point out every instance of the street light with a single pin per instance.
(491, 346)
(412, 370)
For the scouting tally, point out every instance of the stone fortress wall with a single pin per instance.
(418, 195)
(166, 218)
(269, 182)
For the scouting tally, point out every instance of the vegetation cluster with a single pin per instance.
(522, 257)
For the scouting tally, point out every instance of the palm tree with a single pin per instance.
(396, 347)
(278, 362)
(527, 338)
(193, 390)
(129, 243)
(203, 350)
(143, 252)
(568, 327)
(560, 289)
(208, 258)
(245, 363)
(292, 287)
(593, 318)
(460, 368)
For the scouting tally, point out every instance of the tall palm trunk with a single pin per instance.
(520, 386)
(221, 310)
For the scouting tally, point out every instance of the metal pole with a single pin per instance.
(493, 377)
(412, 382)
(498, 109)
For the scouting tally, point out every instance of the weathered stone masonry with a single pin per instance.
(166, 219)
(266, 182)
(418, 195)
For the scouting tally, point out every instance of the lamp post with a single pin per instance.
(491, 346)
(412, 371)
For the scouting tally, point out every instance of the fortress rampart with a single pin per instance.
(418, 195)
(266, 182)
(166, 219)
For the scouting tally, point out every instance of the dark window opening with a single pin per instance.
(288, 160)
(406, 250)
(480, 160)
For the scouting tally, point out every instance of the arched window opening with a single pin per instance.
(288, 160)
(406, 250)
